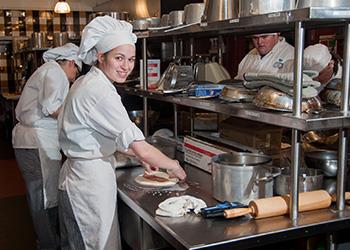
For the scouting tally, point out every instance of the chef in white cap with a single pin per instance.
(35, 138)
(269, 54)
(93, 125)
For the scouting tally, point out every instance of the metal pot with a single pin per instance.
(39, 40)
(141, 24)
(164, 21)
(309, 180)
(176, 18)
(257, 7)
(322, 3)
(193, 12)
(242, 177)
(217, 10)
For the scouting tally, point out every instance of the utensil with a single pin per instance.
(176, 18)
(275, 206)
(322, 3)
(309, 180)
(193, 12)
(141, 24)
(258, 7)
(241, 176)
(325, 160)
(164, 21)
(270, 98)
(217, 10)
(237, 93)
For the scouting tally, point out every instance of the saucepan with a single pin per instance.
(258, 7)
(270, 98)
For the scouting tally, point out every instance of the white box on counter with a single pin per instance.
(199, 153)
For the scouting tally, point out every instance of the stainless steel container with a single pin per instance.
(39, 40)
(242, 177)
(60, 39)
(217, 10)
(141, 24)
(176, 18)
(309, 180)
(164, 21)
(325, 160)
(193, 12)
(257, 7)
(322, 3)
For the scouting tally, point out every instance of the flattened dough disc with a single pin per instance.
(152, 183)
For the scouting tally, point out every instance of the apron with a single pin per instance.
(92, 190)
(50, 162)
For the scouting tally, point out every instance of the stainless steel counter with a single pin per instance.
(195, 232)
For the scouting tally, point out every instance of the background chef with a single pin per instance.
(95, 124)
(35, 138)
(269, 54)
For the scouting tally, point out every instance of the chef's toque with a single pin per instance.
(316, 57)
(69, 51)
(103, 34)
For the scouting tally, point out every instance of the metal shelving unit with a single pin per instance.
(297, 20)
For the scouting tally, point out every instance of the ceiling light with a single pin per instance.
(62, 7)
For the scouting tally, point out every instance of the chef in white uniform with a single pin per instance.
(35, 137)
(93, 125)
(270, 53)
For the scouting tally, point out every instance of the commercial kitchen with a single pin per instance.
(269, 163)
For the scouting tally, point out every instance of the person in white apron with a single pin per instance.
(94, 124)
(268, 56)
(35, 138)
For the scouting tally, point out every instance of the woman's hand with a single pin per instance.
(177, 171)
(148, 167)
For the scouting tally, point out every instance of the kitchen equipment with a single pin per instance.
(217, 10)
(270, 98)
(322, 3)
(176, 18)
(309, 180)
(237, 93)
(140, 24)
(218, 209)
(136, 116)
(275, 206)
(210, 72)
(39, 40)
(164, 21)
(324, 160)
(193, 12)
(153, 21)
(60, 39)
(242, 176)
(258, 7)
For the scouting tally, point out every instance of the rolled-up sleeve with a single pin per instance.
(110, 118)
(53, 92)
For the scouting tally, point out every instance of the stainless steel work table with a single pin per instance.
(195, 232)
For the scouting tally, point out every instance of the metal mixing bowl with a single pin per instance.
(137, 117)
(324, 160)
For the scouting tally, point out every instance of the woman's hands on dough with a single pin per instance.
(177, 171)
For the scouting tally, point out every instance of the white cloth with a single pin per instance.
(272, 62)
(316, 57)
(44, 92)
(103, 34)
(93, 124)
(179, 206)
(69, 51)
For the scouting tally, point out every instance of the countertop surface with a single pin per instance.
(196, 232)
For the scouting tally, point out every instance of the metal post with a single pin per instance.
(296, 135)
(174, 47)
(191, 120)
(175, 122)
(192, 50)
(343, 133)
(145, 83)
(220, 49)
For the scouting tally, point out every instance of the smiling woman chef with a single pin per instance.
(95, 124)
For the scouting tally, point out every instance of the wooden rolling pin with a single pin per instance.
(279, 205)
(334, 196)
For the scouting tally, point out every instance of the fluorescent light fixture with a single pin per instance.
(62, 7)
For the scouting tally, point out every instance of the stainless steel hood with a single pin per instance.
(136, 8)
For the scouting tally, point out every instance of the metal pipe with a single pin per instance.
(145, 85)
(175, 121)
(192, 120)
(296, 135)
(343, 133)
(192, 50)
(220, 49)
(174, 46)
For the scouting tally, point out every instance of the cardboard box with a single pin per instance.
(264, 137)
(199, 153)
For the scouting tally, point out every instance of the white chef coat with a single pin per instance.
(44, 92)
(93, 124)
(272, 62)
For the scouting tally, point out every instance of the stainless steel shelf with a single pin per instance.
(325, 120)
(312, 17)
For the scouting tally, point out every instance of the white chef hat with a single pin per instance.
(103, 34)
(69, 51)
(316, 57)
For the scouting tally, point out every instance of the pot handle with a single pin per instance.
(269, 177)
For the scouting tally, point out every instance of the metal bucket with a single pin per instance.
(242, 177)
(258, 7)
